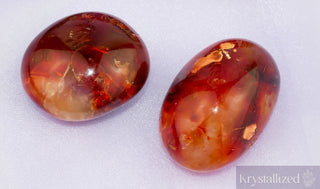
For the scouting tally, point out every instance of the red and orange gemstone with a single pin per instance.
(219, 104)
(84, 66)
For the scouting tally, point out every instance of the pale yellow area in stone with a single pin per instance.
(172, 147)
(227, 45)
(205, 126)
(119, 65)
(267, 103)
(249, 131)
(59, 98)
(214, 57)
(218, 81)
(58, 76)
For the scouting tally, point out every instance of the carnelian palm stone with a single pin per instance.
(84, 65)
(219, 104)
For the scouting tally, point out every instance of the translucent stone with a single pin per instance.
(219, 104)
(84, 65)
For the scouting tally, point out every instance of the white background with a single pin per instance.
(123, 149)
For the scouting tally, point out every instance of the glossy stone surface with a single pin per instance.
(219, 104)
(84, 65)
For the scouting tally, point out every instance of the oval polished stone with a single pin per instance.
(219, 104)
(84, 65)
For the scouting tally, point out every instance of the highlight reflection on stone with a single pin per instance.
(219, 104)
(84, 66)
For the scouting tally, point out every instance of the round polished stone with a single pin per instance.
(84, 65)
(218, 104)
